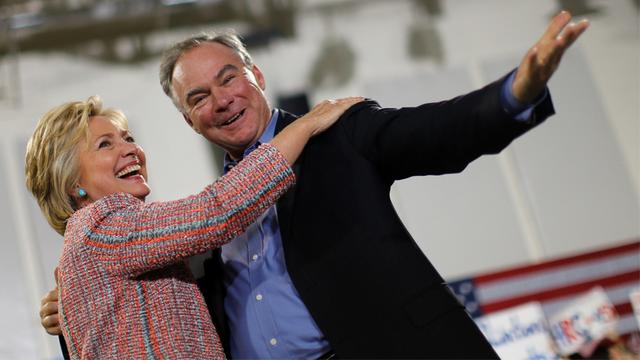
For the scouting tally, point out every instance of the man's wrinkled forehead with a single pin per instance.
(210, 57)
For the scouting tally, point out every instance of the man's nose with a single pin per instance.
(222, 99)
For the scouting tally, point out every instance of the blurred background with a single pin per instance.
(568, 187)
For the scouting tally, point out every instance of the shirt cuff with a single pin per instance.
(511, 105)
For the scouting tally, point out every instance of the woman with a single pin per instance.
(125, 290)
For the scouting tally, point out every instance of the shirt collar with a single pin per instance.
(267, 135)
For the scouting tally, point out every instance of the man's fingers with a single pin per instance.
(51, 296)
(51, 324)
(573, 32)
(54, 331)
(49, 317)
(50, 321)
(562, 43)
(47, 309)
(555, 27)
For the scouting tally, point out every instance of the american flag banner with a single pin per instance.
(556, 283)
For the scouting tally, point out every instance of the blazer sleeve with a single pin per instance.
(436, 138)
(130, 237)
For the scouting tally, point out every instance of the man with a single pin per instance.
(331, 270)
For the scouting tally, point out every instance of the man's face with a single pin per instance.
(221, 98)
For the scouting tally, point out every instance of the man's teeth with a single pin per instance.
(127, 170)
(232, 119)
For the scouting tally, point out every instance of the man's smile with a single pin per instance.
(234, 118)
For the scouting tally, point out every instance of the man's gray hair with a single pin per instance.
(171, 56)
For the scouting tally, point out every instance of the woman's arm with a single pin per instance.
(130, 237)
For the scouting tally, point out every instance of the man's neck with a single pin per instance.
(235, 156)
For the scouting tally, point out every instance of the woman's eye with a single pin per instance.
(104, 144)
(130, 139)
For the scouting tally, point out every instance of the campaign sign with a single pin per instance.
(587, 320)
(518, 333)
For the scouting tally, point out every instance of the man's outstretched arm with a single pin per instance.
(444, 137)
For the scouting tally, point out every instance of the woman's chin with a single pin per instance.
(142, 195)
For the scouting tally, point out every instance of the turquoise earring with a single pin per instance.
(82, 193)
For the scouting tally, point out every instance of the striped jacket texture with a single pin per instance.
(125, 289)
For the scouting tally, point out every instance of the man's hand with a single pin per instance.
(49, 312)
(542, 60)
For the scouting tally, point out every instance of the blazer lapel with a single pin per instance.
(286, 203)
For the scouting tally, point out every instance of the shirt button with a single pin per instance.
(259, 297)
(254, 257)
(273, 341)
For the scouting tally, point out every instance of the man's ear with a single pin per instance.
(259, 77)
(189, 122)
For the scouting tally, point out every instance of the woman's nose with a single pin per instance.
(130, 148)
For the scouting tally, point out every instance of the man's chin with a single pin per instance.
(231, 144)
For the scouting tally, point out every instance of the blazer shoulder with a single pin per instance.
(285, 118)
(361, 108)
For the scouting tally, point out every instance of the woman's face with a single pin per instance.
(111, 162)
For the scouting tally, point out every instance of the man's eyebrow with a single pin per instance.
(224, 69)
(218, 76)
(194, 92)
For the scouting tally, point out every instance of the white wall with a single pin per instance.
(570, 185)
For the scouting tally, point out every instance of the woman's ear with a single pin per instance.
(79, 196)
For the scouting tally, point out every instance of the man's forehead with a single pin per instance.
(210, 57)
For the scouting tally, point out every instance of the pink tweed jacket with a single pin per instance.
(125, 289)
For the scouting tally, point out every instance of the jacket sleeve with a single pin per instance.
(130, 237)
(436, 138)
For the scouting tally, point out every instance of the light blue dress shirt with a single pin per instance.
(266, 316)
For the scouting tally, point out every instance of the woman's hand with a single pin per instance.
(292, 139)
(327, 112)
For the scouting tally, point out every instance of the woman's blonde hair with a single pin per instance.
(51, 166)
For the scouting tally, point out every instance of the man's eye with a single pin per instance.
(227, 79)
(198, 100)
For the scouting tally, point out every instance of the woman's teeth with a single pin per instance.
(127, 170)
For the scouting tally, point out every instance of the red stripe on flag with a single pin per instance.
(623, 309)
(561, 291)
(548, 265)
